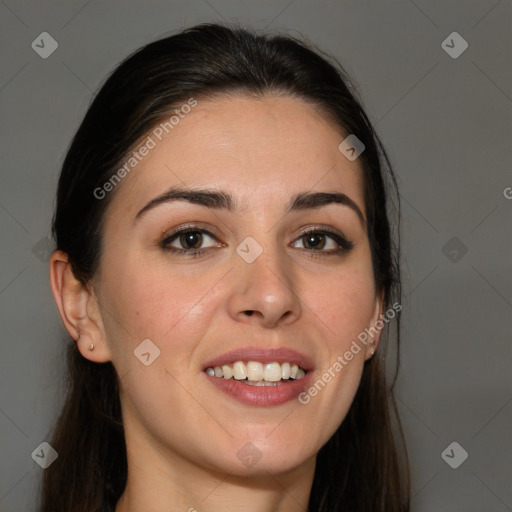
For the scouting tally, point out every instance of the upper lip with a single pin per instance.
(270, 355)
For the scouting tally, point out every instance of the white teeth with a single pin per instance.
(239, 370)
(227, 371)
(285, 371)
(255, 373)
(272, 372)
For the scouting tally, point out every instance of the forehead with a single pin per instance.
(263, 150)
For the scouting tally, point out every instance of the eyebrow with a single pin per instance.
(219, 199)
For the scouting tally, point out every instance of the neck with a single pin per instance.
(182, 487)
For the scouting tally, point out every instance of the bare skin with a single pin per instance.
(182, 433)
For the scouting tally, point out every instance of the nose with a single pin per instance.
(264, 291)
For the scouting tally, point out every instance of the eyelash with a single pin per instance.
(344, 244)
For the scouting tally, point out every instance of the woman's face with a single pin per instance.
(257, 283)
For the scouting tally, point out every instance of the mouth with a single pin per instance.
(260, 377)
(255, 373)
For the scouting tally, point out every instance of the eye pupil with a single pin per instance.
(192, 237)
(311, 238)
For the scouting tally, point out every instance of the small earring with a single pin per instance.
(373, 351)
(92, 347)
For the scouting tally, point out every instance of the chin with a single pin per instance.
(263, 454)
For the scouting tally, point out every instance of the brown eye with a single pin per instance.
(194, 238)
(188, 241)
(318, 240)
(314, 240)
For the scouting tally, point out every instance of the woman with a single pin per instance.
(226, 266)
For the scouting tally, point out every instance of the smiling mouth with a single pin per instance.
(255, 373)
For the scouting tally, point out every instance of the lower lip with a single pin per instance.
(261, 396)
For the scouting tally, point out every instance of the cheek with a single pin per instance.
(344, 304)
(156, 302)
(343, 307)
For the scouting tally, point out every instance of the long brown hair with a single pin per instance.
(364, 466)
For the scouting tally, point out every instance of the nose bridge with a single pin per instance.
(265, 283)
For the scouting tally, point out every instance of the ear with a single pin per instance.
(78, 308)
(374, 330)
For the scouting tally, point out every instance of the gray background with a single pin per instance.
(446, 123)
